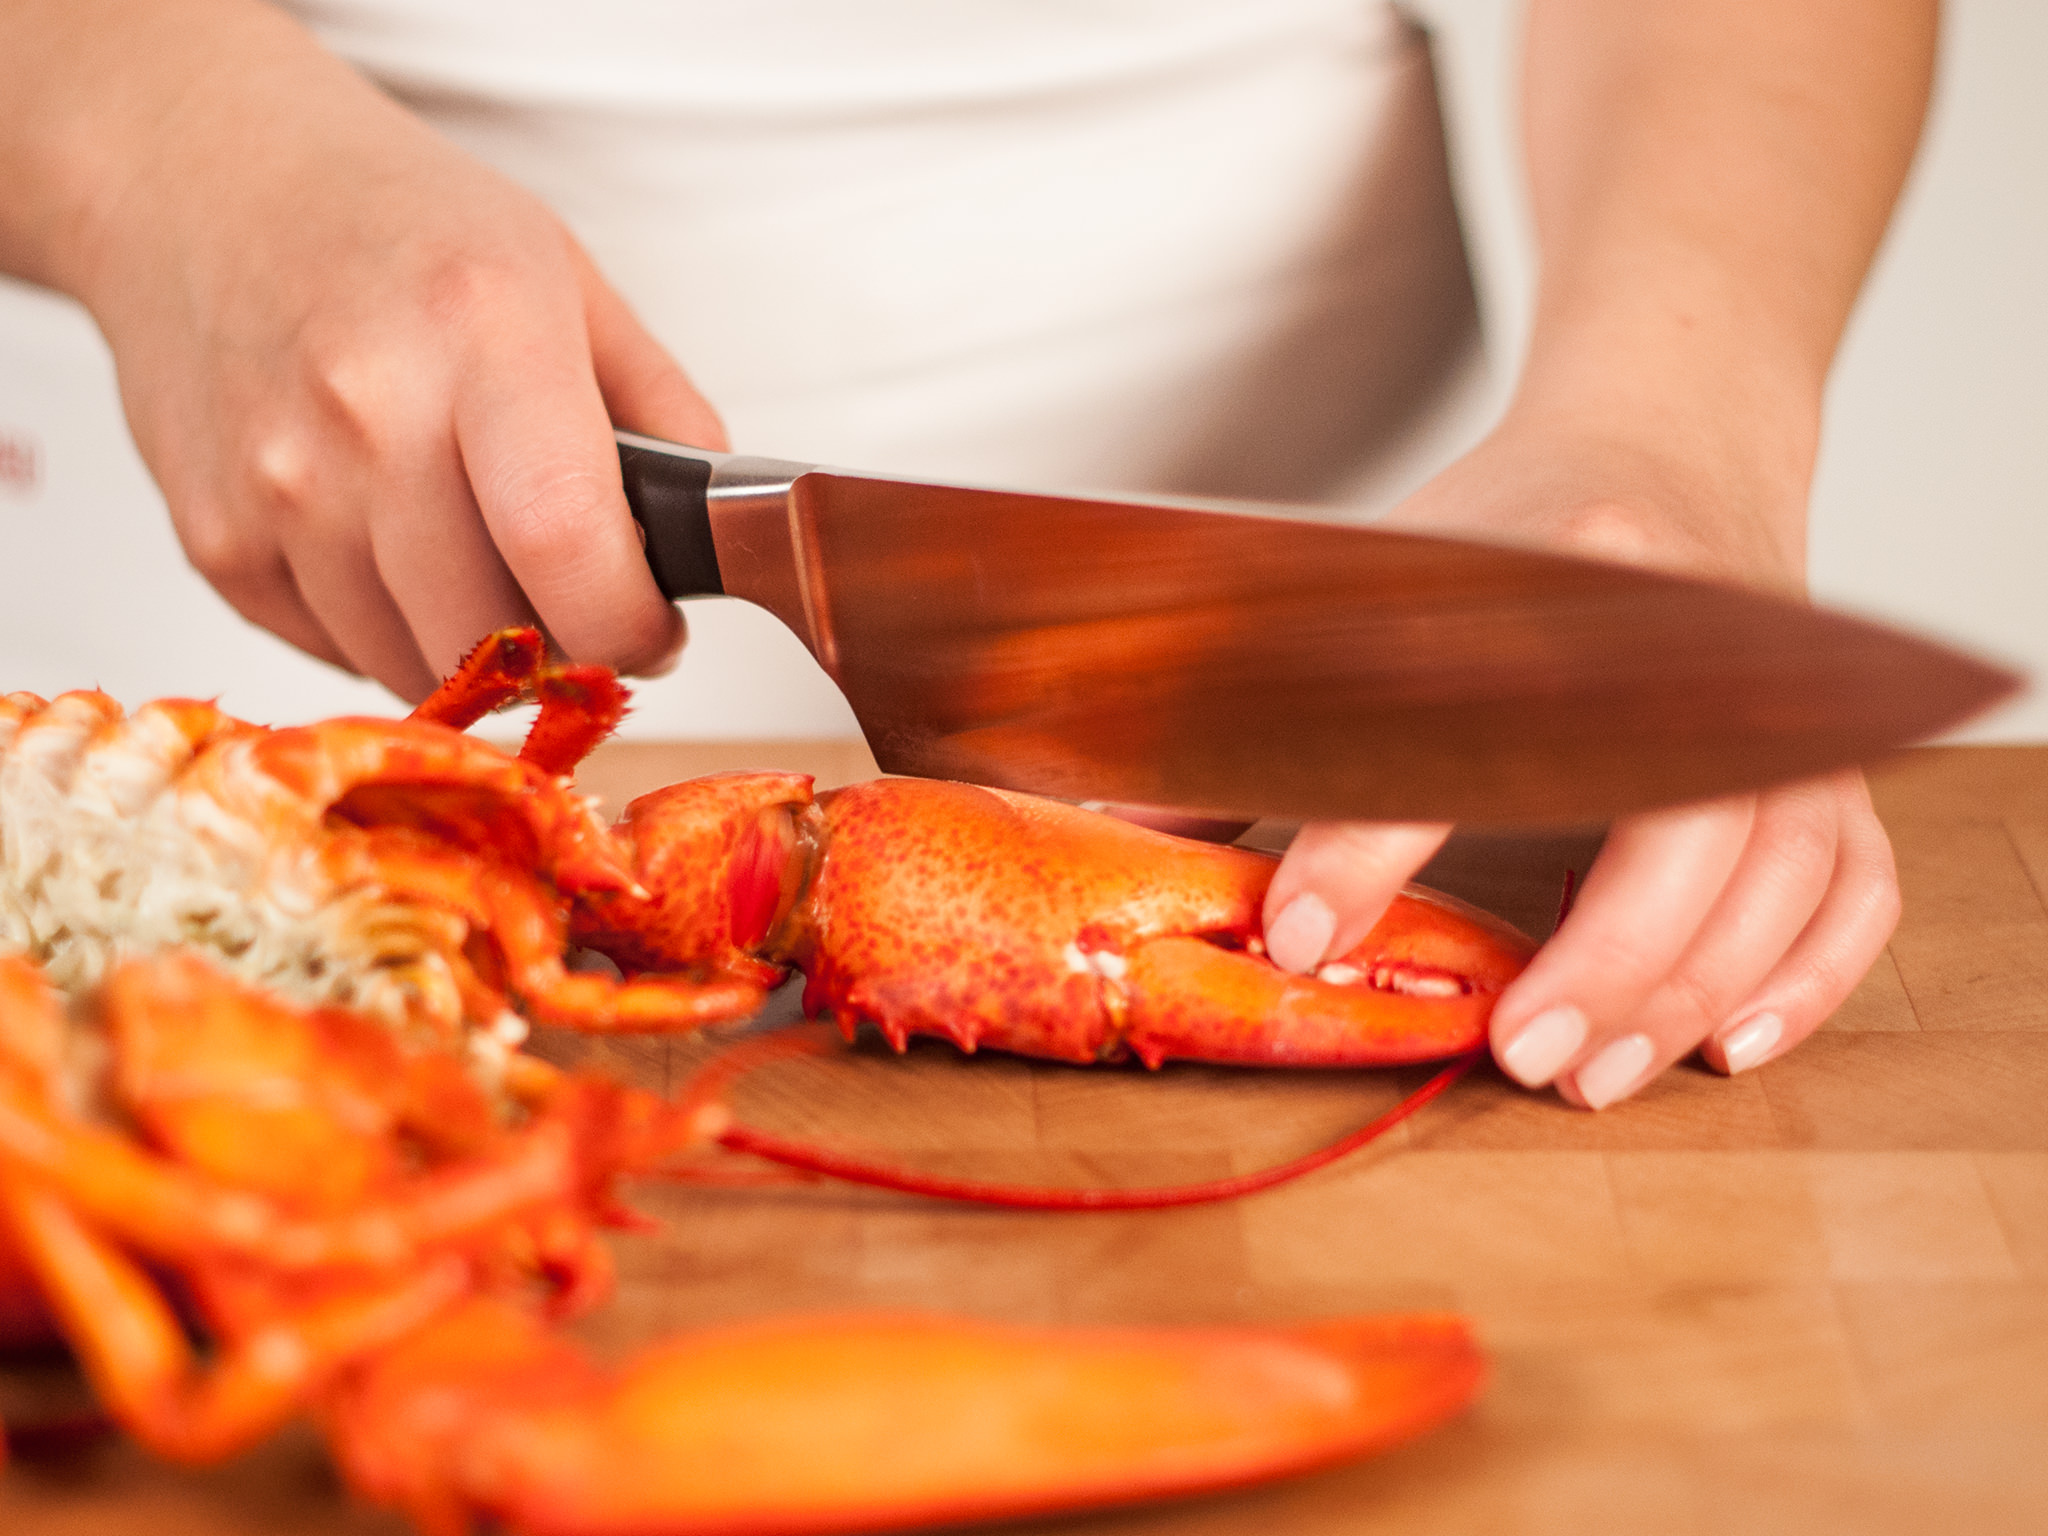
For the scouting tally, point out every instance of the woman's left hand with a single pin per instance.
(1732, 927)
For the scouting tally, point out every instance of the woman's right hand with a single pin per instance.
(375, 380)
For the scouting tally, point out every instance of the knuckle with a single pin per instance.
(1883, 905)
(281, 469)
(221, 547)
(362, 388)
(1867, 842)
(1658, 537)
(1818, 987)
(1617, 962)
(353, 393)
(647, 644)
(462, 287)
(1806, 841)
(1608, 530)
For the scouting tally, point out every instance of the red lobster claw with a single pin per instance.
(1005, 920)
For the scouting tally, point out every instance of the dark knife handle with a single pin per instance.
(669, 489)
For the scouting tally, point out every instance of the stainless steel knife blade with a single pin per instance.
(1238, 662)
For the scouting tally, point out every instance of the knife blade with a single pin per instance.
(1242, 663)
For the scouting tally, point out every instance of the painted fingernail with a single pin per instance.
(1546, 1043)
(1615, 1071)
(1300, 936)
(1746, 1044)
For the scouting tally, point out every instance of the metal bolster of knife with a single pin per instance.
(722, 523)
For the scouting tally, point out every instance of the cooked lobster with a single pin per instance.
(338, 1164)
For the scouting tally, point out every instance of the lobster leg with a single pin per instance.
(900, 1421)
(530, 938)
(169, 1213)
(23, 1318)
(498, 671)
(579, 706)
(142, 1366)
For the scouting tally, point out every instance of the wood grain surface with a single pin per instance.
(1813, 1299)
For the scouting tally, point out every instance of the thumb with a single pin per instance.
(1336, 880)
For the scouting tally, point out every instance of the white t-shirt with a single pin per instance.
(1199, 245)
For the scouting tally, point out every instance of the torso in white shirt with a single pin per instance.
(1200, 245)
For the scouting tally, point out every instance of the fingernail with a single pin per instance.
(1545, 1044)
(1300, 936)
(1616, 1070)
(1749, 1042)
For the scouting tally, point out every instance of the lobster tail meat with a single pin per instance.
(902, 1421)
(393, 865)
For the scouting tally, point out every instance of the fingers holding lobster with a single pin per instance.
(1736, 924)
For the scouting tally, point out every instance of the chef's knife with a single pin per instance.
(1239, 662)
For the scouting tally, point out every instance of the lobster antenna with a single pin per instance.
(703, 1098)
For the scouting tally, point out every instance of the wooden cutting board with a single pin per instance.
(1813, 1299)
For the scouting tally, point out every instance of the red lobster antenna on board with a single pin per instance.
(703, 1101)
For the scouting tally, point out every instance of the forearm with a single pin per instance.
(102, 101)
(1710, 179)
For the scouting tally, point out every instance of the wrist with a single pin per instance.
(1695, 369)
(1691, 400)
